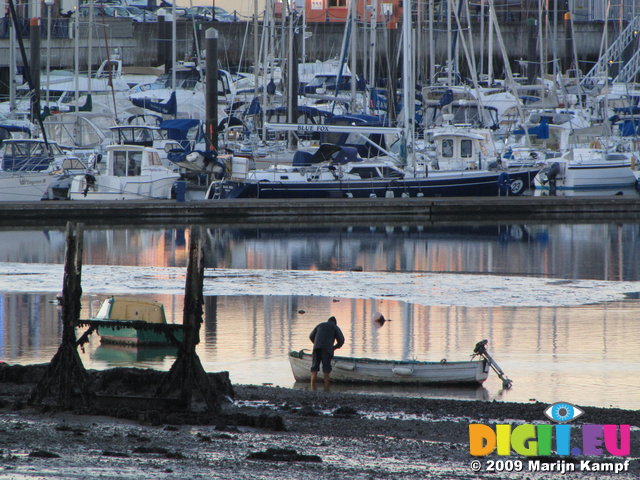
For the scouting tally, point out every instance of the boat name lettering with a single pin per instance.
(26, 181)
(312, 128)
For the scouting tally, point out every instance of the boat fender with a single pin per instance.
(402, 371)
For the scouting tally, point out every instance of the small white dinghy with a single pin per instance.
(368, 370)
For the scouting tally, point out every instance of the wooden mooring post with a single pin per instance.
(187, 373)
(66, 377)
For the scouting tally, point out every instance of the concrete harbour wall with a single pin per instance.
(139, 44)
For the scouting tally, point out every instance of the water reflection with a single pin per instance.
(589, 251)
(577, 354)
(581, 355)
(126, 355)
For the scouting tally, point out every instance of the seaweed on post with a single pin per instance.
(66, 377)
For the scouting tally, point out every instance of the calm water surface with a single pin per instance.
(581, 352)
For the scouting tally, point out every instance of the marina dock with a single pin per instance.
(376, 210)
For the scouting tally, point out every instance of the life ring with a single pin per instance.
(517, 186)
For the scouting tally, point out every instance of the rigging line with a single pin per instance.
(473, 71)
(195, 34)
(505, 58)
(110, 78)
(234, 92)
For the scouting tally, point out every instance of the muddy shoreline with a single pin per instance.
(265, 433)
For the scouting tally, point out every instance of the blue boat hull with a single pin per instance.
(485, 185)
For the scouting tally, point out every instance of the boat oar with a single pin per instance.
(481, 349)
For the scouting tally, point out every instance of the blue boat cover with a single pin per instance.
(170, 107)
(179, 128)
(326, 152)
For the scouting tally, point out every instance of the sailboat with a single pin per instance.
(337, 171)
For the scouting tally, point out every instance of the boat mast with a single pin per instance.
(256, 53)
(432, 48)
(173, 47)
(541, 40)
(407, 82)
(372, 47)
(481, 70)
(90, 49)
(49, 4)
(12, 67)
(76, 53)
(490, 50)
(292, 75)
(354, 37)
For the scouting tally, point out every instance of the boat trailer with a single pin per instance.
(481, 351)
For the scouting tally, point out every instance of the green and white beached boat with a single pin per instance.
(135, 321)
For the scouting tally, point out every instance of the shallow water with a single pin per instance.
(558, 304)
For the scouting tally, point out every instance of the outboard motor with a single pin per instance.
(554, 171)
(219, 170)
(552, 177)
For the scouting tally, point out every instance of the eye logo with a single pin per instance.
(563, 412)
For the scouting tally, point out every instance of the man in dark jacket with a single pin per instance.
(323, 337)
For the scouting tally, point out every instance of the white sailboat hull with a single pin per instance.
(24, 186)
(590, 169)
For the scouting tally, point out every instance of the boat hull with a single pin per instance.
(24, 186)
(437, 184)
(364, 370)
(137, 337)
(115, 188)
(584, 177)
(134, 321)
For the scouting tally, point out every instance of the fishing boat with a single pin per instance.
(407, 372)
(369, 370)
(134, 321)
(131, 172)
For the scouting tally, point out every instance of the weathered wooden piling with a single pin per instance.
(187, 373)
(66, 376)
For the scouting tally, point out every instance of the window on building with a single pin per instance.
(337, 3)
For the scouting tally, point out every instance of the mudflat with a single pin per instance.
(274, 433)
